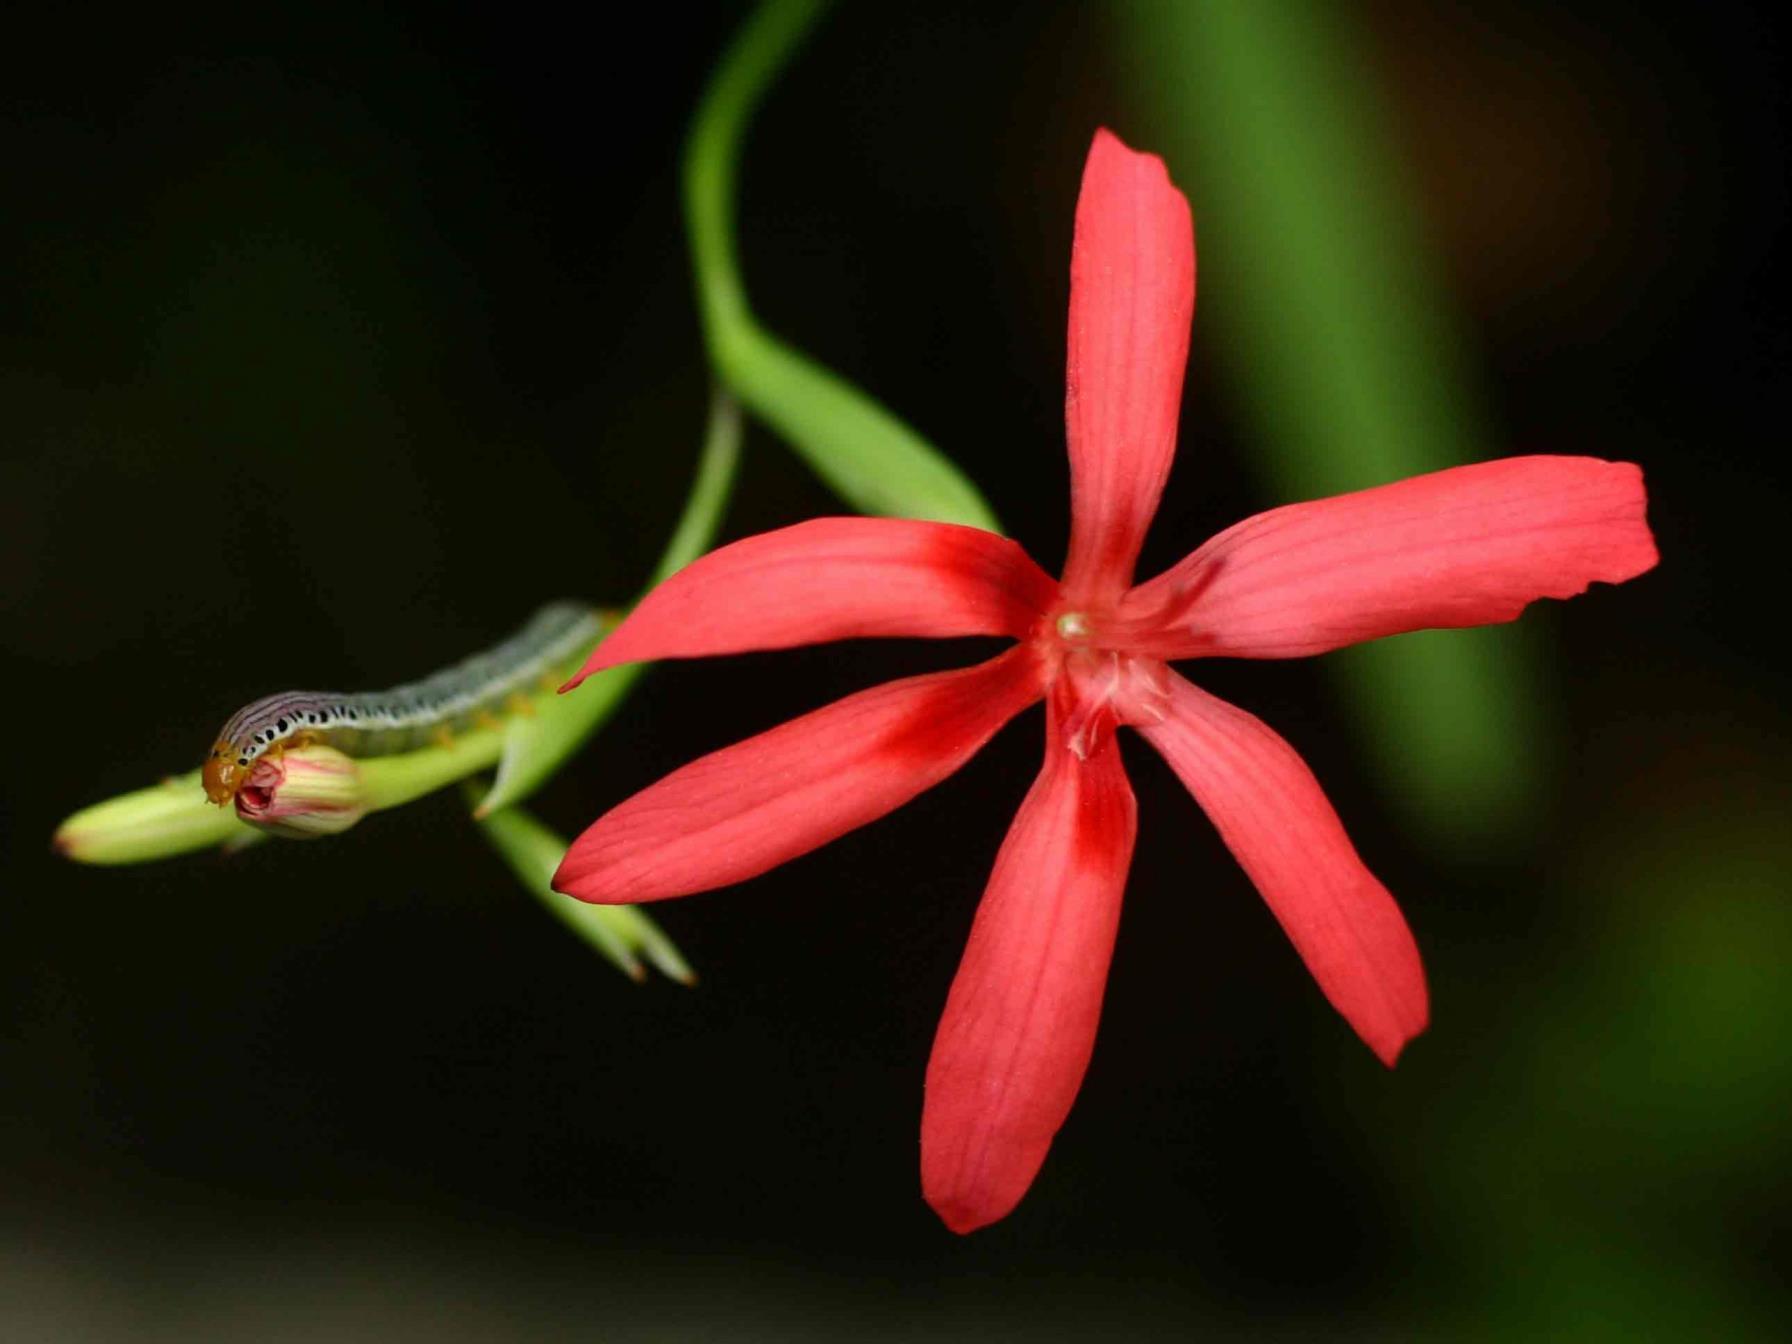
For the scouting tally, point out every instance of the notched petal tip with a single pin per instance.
(1389, 1053)
(1471, 545)
(1107, 149)
(1641, 555)
(963, 1218)
(1405, 1015)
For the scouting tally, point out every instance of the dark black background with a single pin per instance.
(332, 341)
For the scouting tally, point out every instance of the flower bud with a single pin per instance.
(155, 823)
(305, 792)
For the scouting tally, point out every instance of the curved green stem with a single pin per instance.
(866, 455)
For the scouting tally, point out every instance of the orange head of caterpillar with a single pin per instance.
(223, 773)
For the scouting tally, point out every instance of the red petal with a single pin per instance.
(747, 808)
(1132, 295)
(1468, 546)
(1276, 821)
(1020, 1021)
(834, 578)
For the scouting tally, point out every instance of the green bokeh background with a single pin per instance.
(333, 341)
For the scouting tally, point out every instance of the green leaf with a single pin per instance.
(864, 454)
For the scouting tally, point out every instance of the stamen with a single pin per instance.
(1073, 625)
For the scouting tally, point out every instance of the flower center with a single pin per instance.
(1073, 627)
(1097, 681)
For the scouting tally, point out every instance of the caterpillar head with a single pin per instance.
(223, 772)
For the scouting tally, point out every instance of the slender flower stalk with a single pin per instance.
(1468, 546)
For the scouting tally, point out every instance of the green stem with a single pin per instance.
(703, 507)
(761, 48)
(393, 781)
(866, 455)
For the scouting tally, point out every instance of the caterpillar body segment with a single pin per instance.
(468, 695)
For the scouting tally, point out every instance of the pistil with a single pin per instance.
(1073, 627)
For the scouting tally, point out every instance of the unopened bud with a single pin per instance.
(155, 823)
(305, 792)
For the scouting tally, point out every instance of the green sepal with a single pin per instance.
(619, 933)
(166, 819)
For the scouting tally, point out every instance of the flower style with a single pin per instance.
(1468, 546)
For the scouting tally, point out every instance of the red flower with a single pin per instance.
(1469, 546)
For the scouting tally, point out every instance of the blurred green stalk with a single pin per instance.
(1320, 291)
(865, 454)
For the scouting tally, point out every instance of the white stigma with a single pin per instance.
(1073, 625)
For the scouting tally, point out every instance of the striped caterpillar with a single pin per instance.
(381, 723)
